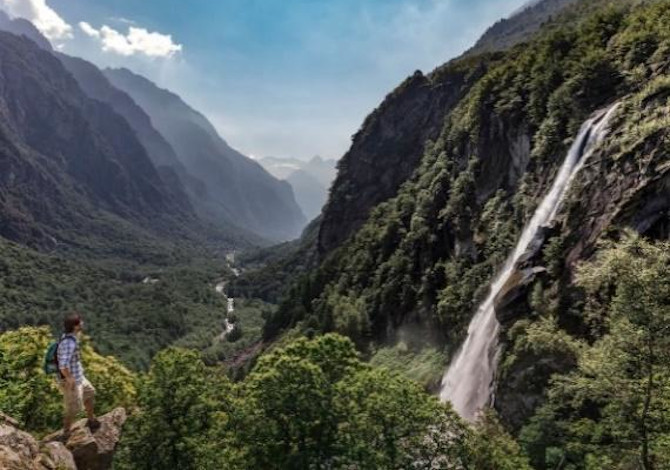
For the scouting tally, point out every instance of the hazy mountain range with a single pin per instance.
(310, 180)
(223, 188)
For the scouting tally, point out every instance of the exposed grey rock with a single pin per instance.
(55, 456)
(94, 451)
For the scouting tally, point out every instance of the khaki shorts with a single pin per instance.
(74, 397)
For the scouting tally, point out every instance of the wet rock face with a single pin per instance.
(506, 148)
(611, 191)
(82, 451)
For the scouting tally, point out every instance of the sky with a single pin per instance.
(283, 78)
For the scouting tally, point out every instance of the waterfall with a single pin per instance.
(468, 382)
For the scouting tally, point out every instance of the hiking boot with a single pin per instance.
(93, 424)
(61, 437)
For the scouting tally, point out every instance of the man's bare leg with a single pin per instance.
(89, 404)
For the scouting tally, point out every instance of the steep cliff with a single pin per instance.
(421, 261)
(389, 146)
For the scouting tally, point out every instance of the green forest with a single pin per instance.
(313, 403)
(335, 359)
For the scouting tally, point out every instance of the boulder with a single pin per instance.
(21, 451)
(94, 451)
(55, 456)
(18, 449)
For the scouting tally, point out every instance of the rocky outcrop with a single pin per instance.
(82, 451)
(95, 451)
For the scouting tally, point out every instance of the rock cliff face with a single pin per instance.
(239, 190)
(388, 148)
(626, 183)
(82, 451)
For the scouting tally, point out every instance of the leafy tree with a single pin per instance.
(387, 421)
(178, 400)
(612, 412)
(492, 448)
(286, 418)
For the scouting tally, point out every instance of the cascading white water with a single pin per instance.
(468, 383)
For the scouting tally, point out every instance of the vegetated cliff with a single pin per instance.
(238, 189)
(422, 260)
(387, 149)
(519, 27)
(73, 170)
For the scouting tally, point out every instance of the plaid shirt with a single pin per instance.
(68, 357)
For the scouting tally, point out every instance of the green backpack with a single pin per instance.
(51, 358)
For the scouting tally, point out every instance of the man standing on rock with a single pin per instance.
(74, 385)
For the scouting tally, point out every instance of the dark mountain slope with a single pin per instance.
(240, 190)
(94, 83)
(518, 28)
(22, 27)
(68, 160)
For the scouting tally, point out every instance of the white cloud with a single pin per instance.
(41, 15)
(89, 30)
(121, 19)
(138, 41)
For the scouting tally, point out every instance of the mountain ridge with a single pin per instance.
(240, 190)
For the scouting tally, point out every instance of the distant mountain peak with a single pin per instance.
(23, 27)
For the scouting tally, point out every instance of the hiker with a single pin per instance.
(74, 385)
